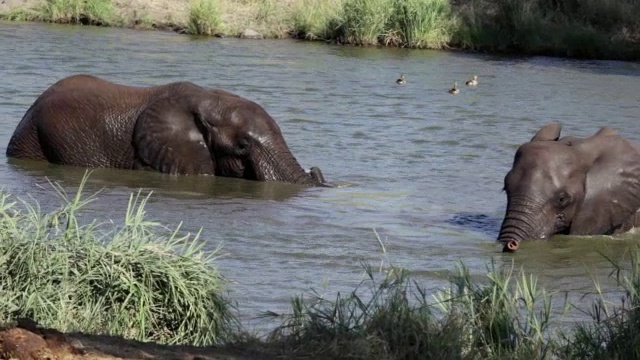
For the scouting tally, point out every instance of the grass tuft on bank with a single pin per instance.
(204, 18)
(138, 280)
(84, 12)
(506, 315)
(392, 317)
(601, 29)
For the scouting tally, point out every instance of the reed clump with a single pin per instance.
(405, 23)
(137, 280)
(204, 18)
(581, 29)
(392, 318)
(82, 12)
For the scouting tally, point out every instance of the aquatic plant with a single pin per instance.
(204, 17)
(138, 280)
(392, 318)
(365, 21)
(421, 23)
(86, 12)
(317, 19)
(615, 330)
(584, 29)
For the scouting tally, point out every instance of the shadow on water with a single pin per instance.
(179, 187)
(482, 223)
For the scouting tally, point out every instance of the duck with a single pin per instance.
(401, 80)
(473, 81)
(454, 89)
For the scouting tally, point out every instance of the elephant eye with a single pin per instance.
(243, 144)
(563, 199)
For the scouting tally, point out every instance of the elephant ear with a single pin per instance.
(549, 132)
(612, 188)
(167, 138)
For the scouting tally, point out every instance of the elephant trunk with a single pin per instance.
(523, 220)
(282, 166)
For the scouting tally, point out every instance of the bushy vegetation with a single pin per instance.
(394, 318)
(138, 280)
(603, 29)
(584, 29)
(204, 18)
(506, 316)
(85, 12)
(407, 23)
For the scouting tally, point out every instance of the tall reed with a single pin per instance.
(393, 319)
(615, 330)
(317, 19)
(422, 23)
(86, 12)
(138, 280)
(365, 21)
(204, 17)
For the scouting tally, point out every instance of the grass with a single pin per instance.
(598, 29)
(204, 18)
(137, 280)
(393, 318)
(85, 12)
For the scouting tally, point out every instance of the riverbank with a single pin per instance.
(593, 29)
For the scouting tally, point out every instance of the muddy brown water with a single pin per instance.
(419, 166)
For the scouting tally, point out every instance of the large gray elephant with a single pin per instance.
(178, 128)
(582, 186)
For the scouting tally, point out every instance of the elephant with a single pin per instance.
(571, 186)
(176, 128)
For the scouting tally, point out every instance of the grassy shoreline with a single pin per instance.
(590, 29)
(140, 280)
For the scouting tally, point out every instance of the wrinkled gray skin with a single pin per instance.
(179, 128)
(582, 186)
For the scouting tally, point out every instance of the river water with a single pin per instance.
(422, 168)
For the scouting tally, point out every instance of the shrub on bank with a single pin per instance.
(138, 280)
(317, 19)
(85, 12)
(506, 316)
(204, 18)
(582, 29)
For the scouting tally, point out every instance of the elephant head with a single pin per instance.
(583, 186)
(215, 132)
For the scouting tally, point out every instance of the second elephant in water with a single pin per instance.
(570, 185)
(178, 128)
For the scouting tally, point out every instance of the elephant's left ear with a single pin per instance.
(612, 189)
(168, 139)
(549, 132)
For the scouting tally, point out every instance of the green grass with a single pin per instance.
(316, 19)
(423, 23)
(138, 280)
(600, 29)
(365, 21)
(86, 12)
(393, 318)
(204, 18)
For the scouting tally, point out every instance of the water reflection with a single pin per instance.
(179, 187)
